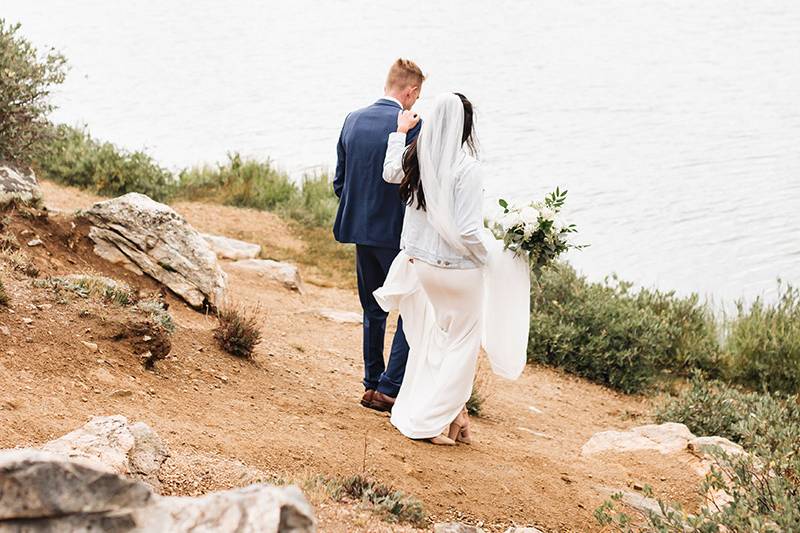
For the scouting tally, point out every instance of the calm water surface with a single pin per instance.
(675, 125)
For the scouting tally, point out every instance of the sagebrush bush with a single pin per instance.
(396, 505)
(475, 402)
(763, 483)
(610, 334)
(763, 343)
(75, 158)
(712, 407)
(238, 331)
(26, 79)
(85, 285)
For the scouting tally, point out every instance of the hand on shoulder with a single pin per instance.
(406, 120)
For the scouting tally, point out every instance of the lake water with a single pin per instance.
(674, 124)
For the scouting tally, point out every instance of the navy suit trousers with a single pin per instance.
(372, 266)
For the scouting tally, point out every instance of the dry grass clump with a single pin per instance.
(11, 253)
(238, 331)
(87, 286)
(3, 295)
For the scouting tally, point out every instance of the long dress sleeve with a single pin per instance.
(393, 162)
(469, 212)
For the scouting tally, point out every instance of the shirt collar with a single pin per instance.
(393, 99)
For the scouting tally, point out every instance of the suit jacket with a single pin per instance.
(370, 210)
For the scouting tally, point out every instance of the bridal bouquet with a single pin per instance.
(536, 228)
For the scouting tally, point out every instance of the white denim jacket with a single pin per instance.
(419, 239)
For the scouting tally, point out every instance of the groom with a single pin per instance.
(371, 216)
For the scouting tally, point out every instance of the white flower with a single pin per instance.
(547, 213)
(528, 229)
(511, 219)
(529, 214)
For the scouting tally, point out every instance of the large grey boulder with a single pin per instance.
(666, 438)
(122, 448)
(148, 237)
(17, 184)
(78, 483)
(227, 248)
(284, 273)
(38, 484)
(41, 491)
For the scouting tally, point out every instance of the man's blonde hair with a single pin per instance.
(404, 73)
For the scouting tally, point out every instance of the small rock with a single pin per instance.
(525, 529)
(283, 273)
(122, 393)
(4, 330)
(637, 486)
(35, 242)
(90, 345)
(455, 527)
(227, 248)
(341, 317)
(27, 320)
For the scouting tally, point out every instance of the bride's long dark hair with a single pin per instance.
(411, 190)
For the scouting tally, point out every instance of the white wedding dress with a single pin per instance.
(449, 313)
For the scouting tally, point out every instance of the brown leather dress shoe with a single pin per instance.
(381, 402)
(366, 400)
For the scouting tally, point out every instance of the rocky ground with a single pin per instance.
(292, 414)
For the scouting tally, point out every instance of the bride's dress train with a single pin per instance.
(447, 315)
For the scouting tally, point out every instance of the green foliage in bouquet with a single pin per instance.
(535, 229)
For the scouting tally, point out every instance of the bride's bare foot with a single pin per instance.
(442, 440)
(459, 428)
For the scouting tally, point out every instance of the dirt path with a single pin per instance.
(294, 412)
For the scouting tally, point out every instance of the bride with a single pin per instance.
(455, 286)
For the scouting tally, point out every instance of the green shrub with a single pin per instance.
(764, 343)
(610, 334)
(716, 408)
(764, 483)
(75, 158)
(395, 505)
(238, 330)
(241, 183)
(26, 79)
(315, 203)
(86, 286)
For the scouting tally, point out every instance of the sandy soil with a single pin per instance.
(293, 412)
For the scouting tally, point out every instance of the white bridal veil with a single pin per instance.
(506, 303)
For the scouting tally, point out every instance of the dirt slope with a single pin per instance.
(294, 412)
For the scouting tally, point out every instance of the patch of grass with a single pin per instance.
(475, 402)
(18, 259)
(610, 334)
(86, 286)
(392, 505)
(157, 313)
(764, 343)
(77, 159)
(238, 331)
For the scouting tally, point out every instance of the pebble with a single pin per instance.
(122, 393)
(27, 320)
(35, 242)
(90, 345)
(4, 330)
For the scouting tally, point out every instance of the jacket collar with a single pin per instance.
(386, 100)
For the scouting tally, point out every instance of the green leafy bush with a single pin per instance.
(258, 184)
(239, 182)
(763, 484)
(26, 79)
(764, 343)
(610, 334)
(75, 158)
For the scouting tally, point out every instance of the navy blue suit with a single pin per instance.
(371, 217)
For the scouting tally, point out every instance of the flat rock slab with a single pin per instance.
(341, 317)
(148, 237)
(227, 248)
(665, 438)
(284, 273)
(18, 184)
(455, 527)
